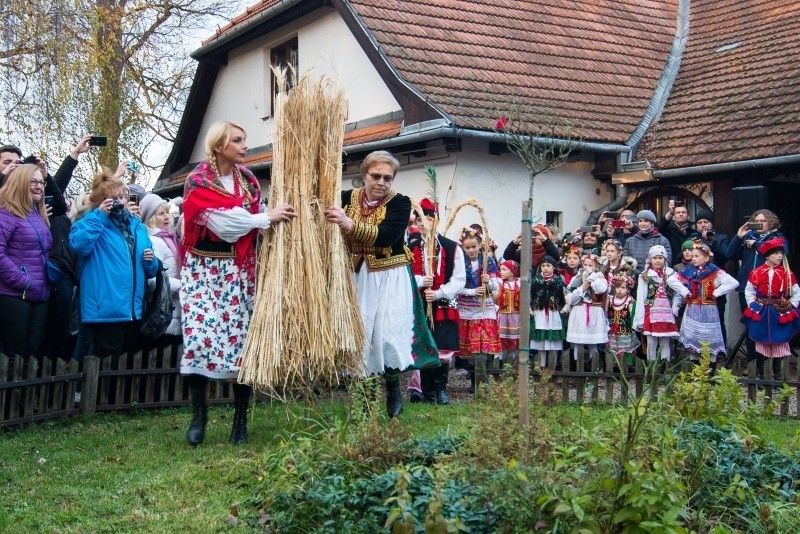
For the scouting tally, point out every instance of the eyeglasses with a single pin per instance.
(377, 177)
(37, 182)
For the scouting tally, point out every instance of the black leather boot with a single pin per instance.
(394, 399)
(197, 426)
(441, 374)
(241, 400)
(428, 380)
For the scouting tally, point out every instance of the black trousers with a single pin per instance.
(23, 325)
(113, 339)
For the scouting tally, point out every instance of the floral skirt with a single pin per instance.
(217, 304)
(508, 324)
(659, 320)
(478, 336)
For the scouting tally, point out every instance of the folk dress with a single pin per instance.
(701, 322)
(548, 298)
(659, 294)
(771, 316)
(587, 323)
(508, 314)
(478, 330)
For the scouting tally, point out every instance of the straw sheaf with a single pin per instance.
(306, 327)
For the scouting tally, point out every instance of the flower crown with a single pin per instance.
(572, 249)
(623, 277)
(699, 245)
(468, 232)
(594, 257)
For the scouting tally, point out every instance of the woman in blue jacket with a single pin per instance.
(114, 260)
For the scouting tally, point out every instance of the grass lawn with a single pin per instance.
(135, 472)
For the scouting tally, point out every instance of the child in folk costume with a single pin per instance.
(659, 292)
(587, 323)
(570, 264)
(622, 340)
(548, 298)
(772, 296)
(705, 282)
(507, 299)
(478, 330)
(686, 256)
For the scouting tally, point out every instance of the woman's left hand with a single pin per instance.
(148, 254)
(339, 217)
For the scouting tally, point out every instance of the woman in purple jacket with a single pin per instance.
(24, 245)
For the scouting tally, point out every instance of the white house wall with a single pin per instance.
(500, 183)
(325, 47)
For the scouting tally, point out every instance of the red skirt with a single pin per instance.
(479, 335)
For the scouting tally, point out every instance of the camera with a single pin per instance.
(710, 234)
(30, 159)
(116, 205)
(755, 226)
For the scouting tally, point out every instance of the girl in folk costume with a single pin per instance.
(772, 296)
(548, 298)
(439, 290)
(622, 340)
(587, 317)
(222, 218)
(614, 263)
(478, 331)
(705, 282)
(570, 264)
(659, 293)
(508, 315)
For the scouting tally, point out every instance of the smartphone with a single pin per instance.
(587, 229)
(132, 166)
(617, 224)
(48, 200)
(755, 226)
(612, 215)
(98, 140)
(678, 203)
(134, 197)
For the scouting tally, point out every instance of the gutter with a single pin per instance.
(238, 30)
(729, 166)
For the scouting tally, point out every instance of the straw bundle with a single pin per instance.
(306, 326)
(473, 203)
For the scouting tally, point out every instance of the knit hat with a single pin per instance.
(148, 205)
(549, 260)
(657, 250)
(647, 215)
(704, 214)
(689, 243)
(770, 245)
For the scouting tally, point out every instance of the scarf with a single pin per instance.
(537, 253)
(692, 277)
(171, 240)
(202, 191)
(474, 278)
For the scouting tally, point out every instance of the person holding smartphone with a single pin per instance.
(676, 226)
(760, 227)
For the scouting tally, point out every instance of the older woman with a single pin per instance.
(25, 242)
(155, 212)
(223, 214)
(114, 258)
(373, 219)
(762, 226)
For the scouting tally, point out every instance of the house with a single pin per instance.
(669, 98)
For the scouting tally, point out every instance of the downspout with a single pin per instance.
(657, 102)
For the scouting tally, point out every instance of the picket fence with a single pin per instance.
(36, 389)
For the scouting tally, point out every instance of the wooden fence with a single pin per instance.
(36, 389)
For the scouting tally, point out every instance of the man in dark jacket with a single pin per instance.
(676, 226)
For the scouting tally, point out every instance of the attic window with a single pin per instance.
(727, 47)
(284, 55)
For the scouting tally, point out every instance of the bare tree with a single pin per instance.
(118, 68)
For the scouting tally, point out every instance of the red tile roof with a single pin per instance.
(376, 132)
(737, 95)
(249, 13)
(594, 63)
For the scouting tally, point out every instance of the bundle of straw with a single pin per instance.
(306, 327)
(473, 203)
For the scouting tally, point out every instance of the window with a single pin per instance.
(284, 55)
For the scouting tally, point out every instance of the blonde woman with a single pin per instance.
(222, 216)
(25, 242)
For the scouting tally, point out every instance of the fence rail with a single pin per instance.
(37, 389)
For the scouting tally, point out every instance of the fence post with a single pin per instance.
(91, 377)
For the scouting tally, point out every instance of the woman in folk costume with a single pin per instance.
(548, 298)
(222, 216)
(373, 220)
(439, 290)
(587, 323)
(478, 331)
(507, 299)
(622, 340)
(659, 294)
(772, 296)
(705, 282)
